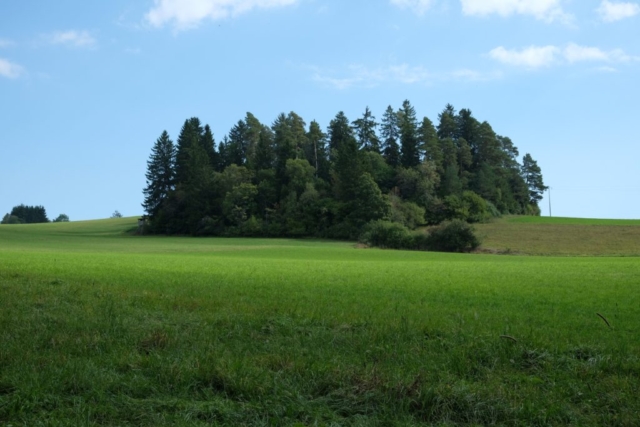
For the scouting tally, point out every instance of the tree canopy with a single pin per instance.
(294, 179)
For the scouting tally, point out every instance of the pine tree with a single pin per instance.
(209, 145)
(365, 129)
(160, 175)
(447, 128)
(533, 178)
(316, 152)
(390, 134)
(409, 141)
(340, 132)
(191, 134)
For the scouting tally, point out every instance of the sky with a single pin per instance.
(87, 87)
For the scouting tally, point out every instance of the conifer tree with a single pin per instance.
(191, 134)
(447, 126)
(365, 130)
(160, 175)
(409, 142)
(533, 178)
(390, 134)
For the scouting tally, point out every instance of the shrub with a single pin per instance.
(452, 236)
(385, 234)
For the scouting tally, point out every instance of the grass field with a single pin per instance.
(561, 236)
(101, 328)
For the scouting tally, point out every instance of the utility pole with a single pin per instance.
(549, 188)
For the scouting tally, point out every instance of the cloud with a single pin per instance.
(530, 57)
(9, 69)
(185, 14)
(363, 76)
(546, 10)
(366, 77)
(615, 11)
(71, 38)
(544, 56)
(417, 6)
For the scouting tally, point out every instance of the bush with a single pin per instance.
(385, 234)
(11, 219)
(452, 236)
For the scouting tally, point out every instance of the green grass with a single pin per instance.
(561, 236)
(101, 328)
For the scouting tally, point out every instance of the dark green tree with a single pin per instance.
(409, 138)
(533, 178)
(191, 135)
(390, 135)
(365, 130)
(447, 126)
(160, 175)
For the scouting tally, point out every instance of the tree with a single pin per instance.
(409, 142)
(390, 134)
(340, 133)
(116, 214)
(62, 218)
(29, 214)
(365, 129)
(11, 219)
(447, 127)
(533, 178)
(316, 152)
(429, 144)
(191, 135)
(160, 174)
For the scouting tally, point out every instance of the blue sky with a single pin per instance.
(87, 87)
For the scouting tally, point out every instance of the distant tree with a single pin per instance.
(409, 140)
(447, 127)
(340, 133)
(62, 218)
(316, 152)
(429, 144)
(30, 214)
(11, 219)
(160, 174)
(116, 214)
(533, 177)
(365, 129)
(390, 134)
(191, 134)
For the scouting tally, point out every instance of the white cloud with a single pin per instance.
(405, 74)
(544, 56)
(615, 11)
(363, 76)
(547, 10)
(575, 53)
(530, 57)
(9, 69)
(71, 38)
(418, 6)
(185, 14)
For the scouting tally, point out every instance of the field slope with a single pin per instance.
(561, 236)
(98, 327)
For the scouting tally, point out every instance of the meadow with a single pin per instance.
(100, 327)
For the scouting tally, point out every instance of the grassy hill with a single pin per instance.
(561, 236)
(98, 327)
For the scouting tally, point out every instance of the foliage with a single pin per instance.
(11, 219)
(290, 179)
(26, 215)
(62, 218)
(453, 236)
(116, 214)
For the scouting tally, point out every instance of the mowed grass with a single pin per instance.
(561, 236)
(101, 328)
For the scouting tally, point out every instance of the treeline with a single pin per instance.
(294, 179)
(23, 214)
